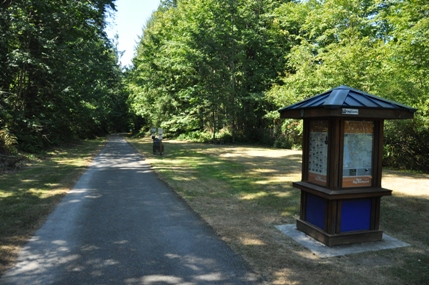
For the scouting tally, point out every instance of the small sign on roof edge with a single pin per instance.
(347, 111)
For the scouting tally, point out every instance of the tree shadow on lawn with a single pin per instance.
(20, 217)
(265, 182)
(29, 195)
(95, 263)
(254, 193)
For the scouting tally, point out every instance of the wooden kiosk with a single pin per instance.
(342, 163)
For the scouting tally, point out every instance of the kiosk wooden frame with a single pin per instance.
(342, 163)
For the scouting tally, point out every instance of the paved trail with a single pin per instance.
(121, 225)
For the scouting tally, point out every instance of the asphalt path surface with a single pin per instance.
(121, 225)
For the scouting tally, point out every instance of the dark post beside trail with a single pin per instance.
(158, 146)
(342, 163)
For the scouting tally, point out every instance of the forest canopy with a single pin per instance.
(219, 69)
(209, 70)
(59, 78)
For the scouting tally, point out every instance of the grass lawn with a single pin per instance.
(243, 192)
(27, 196)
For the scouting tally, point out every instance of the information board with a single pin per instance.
(357, 155)
(318, 152)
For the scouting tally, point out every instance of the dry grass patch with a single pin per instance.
(406, 183)
(28, 196)
(243, 192)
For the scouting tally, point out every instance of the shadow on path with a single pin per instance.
(121, 225)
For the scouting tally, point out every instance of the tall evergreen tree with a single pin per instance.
(58, 70)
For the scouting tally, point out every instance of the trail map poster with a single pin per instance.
(318, 152)
(357, 155)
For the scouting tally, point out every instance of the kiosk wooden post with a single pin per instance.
(342, 163)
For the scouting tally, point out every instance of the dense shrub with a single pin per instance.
(196, 136)
(290, 136)
(406, 144)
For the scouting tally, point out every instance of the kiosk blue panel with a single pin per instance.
(315, 211)
(355, 215)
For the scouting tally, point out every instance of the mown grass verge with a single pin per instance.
(27, 196)
(243, 192)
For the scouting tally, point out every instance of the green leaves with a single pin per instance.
(204, 59)
(58, 70)
(377, 46)
(211, 65)
(364, 44)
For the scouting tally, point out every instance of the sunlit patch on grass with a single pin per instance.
(242, 192)
(254, 196)
(251, 241)
(188, 178)
(29, 195)
(279, 181)
(263, 170)
(52, 185)
(28, 180)
(79, 163)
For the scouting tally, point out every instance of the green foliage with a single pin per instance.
(407, 144)
(7, 142)
(379, 47)
(196, 136)
(204, 65)
(209, 65)
(290, 136)
(59, 78)
(222, 137)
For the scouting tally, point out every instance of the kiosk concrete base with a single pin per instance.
(324, 251)
(341, 238)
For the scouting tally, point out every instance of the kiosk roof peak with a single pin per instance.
(334, 101)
